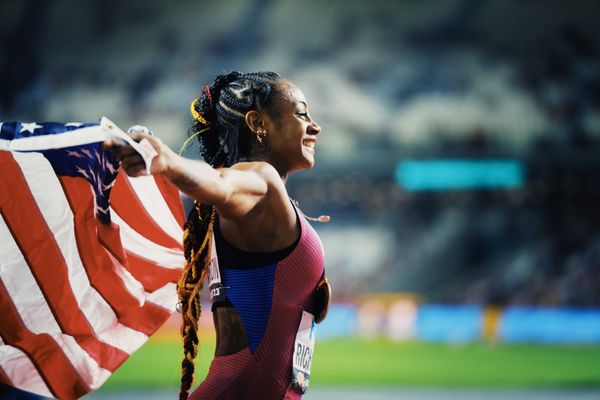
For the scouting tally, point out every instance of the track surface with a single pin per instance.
(392, 394)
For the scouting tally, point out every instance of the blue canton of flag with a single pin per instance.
(87, 161)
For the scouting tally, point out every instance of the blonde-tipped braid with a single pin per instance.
(199, 225)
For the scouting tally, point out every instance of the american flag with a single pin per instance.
(89, 257)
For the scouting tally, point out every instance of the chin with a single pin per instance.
(309, 163)
(306, 164)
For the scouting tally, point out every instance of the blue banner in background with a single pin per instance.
(340, 322)
(441, 323)
(465, 323)
(550, 325)
(440, 174)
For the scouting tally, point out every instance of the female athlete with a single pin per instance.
(263, 260)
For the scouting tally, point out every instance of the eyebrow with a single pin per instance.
(301, 102)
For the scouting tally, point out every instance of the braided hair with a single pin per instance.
(222, 108)
(225, 139)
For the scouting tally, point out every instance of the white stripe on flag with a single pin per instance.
(87, 367)
(159, 297)
(134, 287)
(147, 249)
(21, 284)
(80, 136)
(151, 198)
(55, 208)
(21, 371)
(165, 297)
(90, 134)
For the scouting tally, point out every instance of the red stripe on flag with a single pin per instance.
(100, 265)
(129, 207)
(150, 275)
(40, 250)
(55, 368)
(171, 195)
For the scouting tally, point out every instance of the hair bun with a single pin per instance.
(223, 80)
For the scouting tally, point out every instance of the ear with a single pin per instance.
(254, 121)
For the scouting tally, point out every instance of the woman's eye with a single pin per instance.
(303, 115)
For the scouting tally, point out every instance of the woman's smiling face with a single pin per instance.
(292, 133)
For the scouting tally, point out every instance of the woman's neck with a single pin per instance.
(283, 172)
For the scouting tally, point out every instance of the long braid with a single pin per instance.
(199, 225)
(224, 139)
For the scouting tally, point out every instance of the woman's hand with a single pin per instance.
(133, 163)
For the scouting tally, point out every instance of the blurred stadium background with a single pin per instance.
(459, 160)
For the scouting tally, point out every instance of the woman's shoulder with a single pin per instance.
(262, 169)
(258, 166)
(276, 202)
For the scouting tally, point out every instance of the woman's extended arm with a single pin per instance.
(233, 191)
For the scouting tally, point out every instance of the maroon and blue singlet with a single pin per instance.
(269, 291)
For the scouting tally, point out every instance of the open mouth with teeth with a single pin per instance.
(309, 144)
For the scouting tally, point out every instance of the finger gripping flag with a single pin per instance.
(89, 258)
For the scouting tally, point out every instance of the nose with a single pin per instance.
(314, 128)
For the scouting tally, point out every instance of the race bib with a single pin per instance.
(217, 290)
(303, 352)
